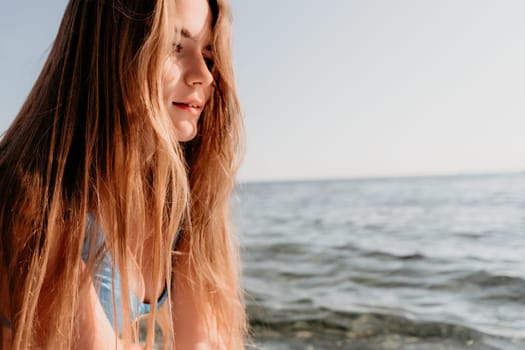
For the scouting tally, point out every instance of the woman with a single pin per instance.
(115, 179)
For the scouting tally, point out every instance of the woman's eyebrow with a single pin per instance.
(185, 33)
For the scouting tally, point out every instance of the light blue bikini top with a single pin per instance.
(104, 283)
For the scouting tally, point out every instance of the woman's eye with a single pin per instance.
(209, 63)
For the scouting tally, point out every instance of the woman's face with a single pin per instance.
(186, 76)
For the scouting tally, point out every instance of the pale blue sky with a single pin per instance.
(345, 88)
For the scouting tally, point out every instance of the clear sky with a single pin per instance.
(348, 88)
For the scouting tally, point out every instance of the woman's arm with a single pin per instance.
(95, 330)
(187, 323)
(193, 330)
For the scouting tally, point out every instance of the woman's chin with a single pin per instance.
(185, 131)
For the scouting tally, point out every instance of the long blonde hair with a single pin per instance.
(78, 147)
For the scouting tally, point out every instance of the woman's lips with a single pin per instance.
(193, 108)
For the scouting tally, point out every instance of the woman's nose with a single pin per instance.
(198, 73)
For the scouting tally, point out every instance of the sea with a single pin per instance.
(425, 263)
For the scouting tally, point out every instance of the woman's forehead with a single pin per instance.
(193, 17)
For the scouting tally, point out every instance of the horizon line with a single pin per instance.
(382, 177)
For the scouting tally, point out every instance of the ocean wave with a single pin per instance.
(488, 286)
(278, 248)
(354, 324)
(329, 329)
(484, 278)
(391, 256)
